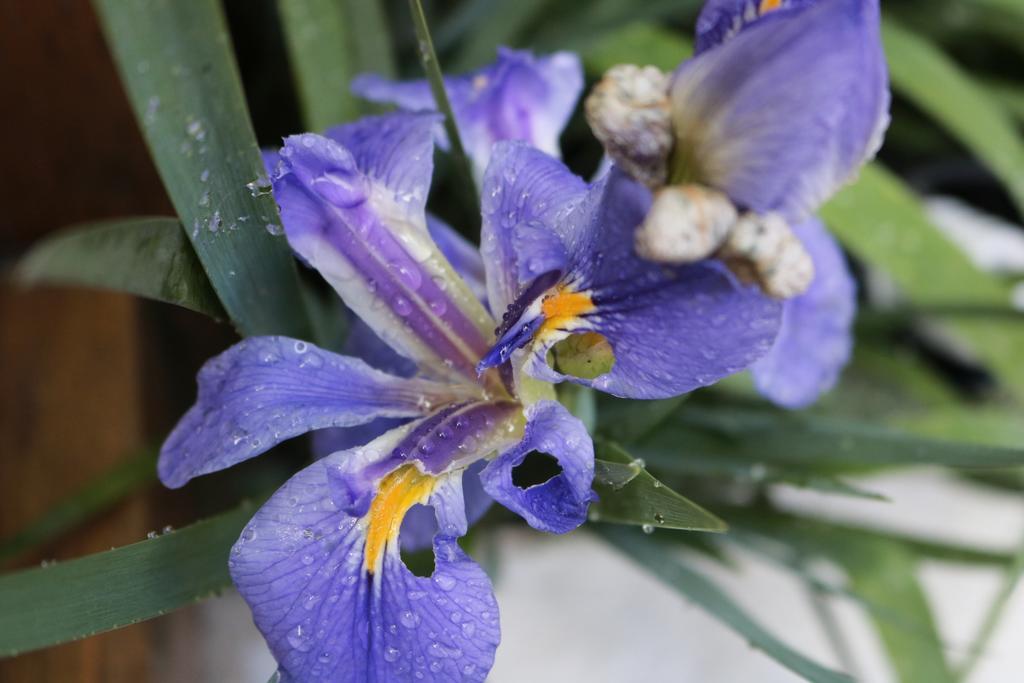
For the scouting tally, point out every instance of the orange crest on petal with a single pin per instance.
(397, 492)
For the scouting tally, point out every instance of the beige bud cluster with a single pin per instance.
(629, 111)
(688, 223)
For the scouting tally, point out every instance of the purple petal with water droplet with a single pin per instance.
(816, 337)
(518, 97)
(299, 565)
(796, 101)
(559, 504)
(265, 390)
(355, 213)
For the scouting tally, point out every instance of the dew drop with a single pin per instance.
(409, 619)
(444, 581)
(647, 528)
(299, 639)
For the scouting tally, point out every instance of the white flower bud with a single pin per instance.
(762, 249)
(686, 223)
(629, 112)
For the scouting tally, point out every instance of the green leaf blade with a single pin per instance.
(765, 435)
(148, 257)
(100, 494)
(923, 73)
(177, 66)
(630, 495)
(654, 557)
(881, 220)
(79, 598)
(329, 43)
(315, 32)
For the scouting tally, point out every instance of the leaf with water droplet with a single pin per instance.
(630, 495)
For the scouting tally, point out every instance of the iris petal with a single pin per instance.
(300, 565)
(355, 213)
(518, 97)
(785, 111)
(523, 189)
(559, 504)
(816, 336)
(671, 329)
(265, 390)
(720, 20)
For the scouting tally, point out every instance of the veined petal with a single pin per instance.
(669, 329)
(419, 526)
(331, 595)
(518, 97)
(786, 110)
(355, 213)
(720, 20)
(265, 390)
(559, 504)
(523, 187)
(463, 255)
(816, 336)
(453, 437)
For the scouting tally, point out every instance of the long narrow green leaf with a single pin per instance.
(432, 68)
(636, 43)
(315, 33)
(370, 37)
(99, 495)
(330, 42)
(149, 257)
(625, 420)
(79, 598)
(881, 220)
(1009, 94)
(936, 84)
(630, 495)
(765, 435)
(994, 614)
(810, 534)
(882, 578)
(176, 63)
(655, 558)
(503, 24)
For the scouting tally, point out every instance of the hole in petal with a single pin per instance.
(416, 539)
(535, 469)
(587, 355)
(419, 562)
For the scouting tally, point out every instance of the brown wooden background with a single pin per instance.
(84, 376)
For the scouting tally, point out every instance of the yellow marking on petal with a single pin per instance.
(769, 6)
(562, 307)
(396, 493)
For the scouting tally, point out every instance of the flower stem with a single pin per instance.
(432, 68)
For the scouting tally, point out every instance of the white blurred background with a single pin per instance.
(574, 609)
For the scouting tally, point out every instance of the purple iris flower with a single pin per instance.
(781, 105)
(518, 97)
(319, 563)
(816, 337)
(783, 101)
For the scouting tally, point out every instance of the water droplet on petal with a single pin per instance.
(444, 581)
